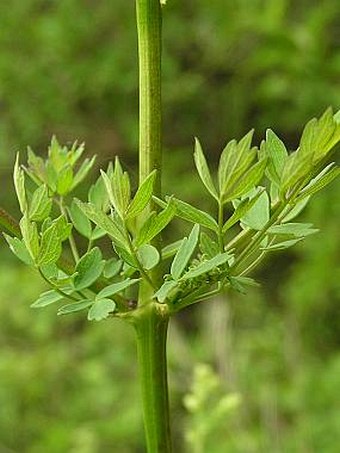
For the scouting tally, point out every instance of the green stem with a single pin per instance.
(70, 238)
(150, 321)
(151, 324)
(149, 26)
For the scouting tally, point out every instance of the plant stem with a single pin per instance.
(151, 326)
(151, 319)
(71, 240)
(149, 26)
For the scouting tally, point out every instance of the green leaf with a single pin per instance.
(36, 167)
(241, 210)
(148, 256)
(239, 283)
(98, 195)
(50, 249)
(297, 166)
(320, 181)
(30, 236)
(19, 249)
(249, 180)
(191, 214)
(126, 256)
(295, 229)
(165, 290)
(234, 162)
(112, 267)
(282, 245)
(142, 196)
(208, 247)
(118, 188)
(116, 288)
(97, 233)
(19, 184)
(41, 204)
(203, 169)
(104, 222)
(81, 223)
(64, 180)
(83, 171)
(49, 297)
(88, 269)
(319, 136)
(73, 308)
(184, 253)
(291, 212)
(258, 215)
(155, 224)
(64, 228)
(207, 266)
(101, 309)
(278, 154)
(171, 249)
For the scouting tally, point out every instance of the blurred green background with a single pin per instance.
(248, 374)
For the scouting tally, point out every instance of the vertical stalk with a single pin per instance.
(151, 319)
(149, 27)
(151, 326)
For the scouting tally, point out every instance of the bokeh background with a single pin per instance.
(248, 374)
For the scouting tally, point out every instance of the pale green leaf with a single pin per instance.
(207, 266)
(148, 256)
(19, 184)
(203, 169)
(105, 222)
(164, 291)
(116, 288)
(171, 249)
(194, 215)
(290, 212)
(50, 249)
(258, 215)
(239, 283)
(234, 162)
(30, 236)
(41, 204)
(64, 228)
(208, 246)
(155, 224)
(184, 253)
(50, 297)
(241, 210)
(83, 171)
(98, 195)
(88, 269)
(320, 181)
(277, 154)
(101, 309)
(142, 196)
(74, 307)
(19, 249)
(295, 229)
(282, 245)
(249, 180)
(64, 180)
(112, 267)
(81, 223)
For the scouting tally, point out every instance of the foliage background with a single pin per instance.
(69, 68)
